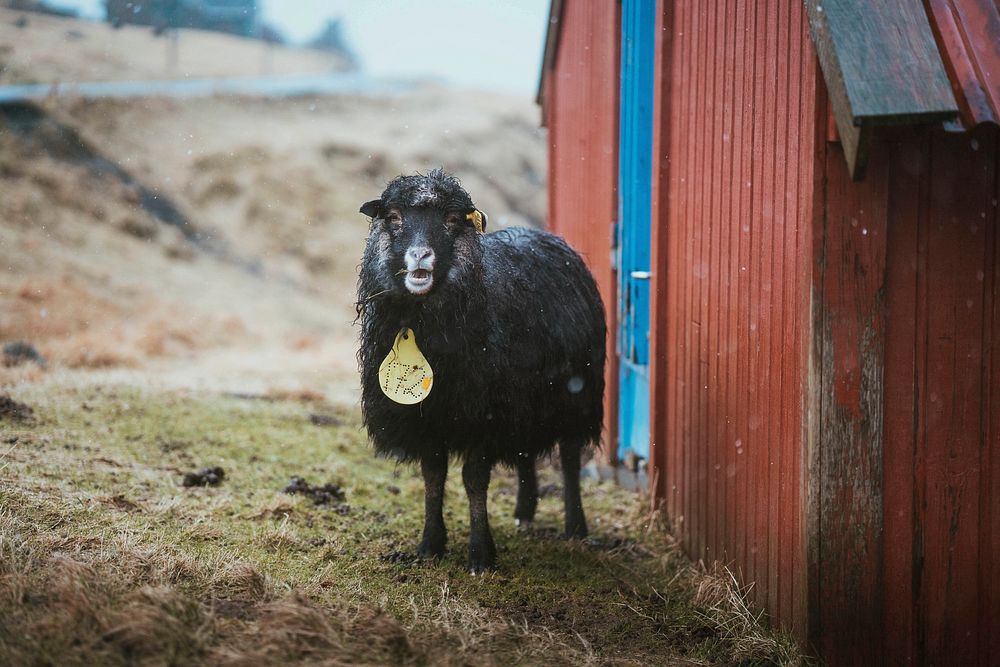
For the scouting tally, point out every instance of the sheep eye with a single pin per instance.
(453, 219)
(394, 220)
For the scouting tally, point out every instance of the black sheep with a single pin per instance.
(512, 327)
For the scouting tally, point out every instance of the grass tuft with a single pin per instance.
(724, 606)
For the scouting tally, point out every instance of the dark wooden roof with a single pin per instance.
(552, 33)
(907, 63)
(881, 66)
(968, 36)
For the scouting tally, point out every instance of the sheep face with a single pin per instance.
(424, 233)
(427, 246)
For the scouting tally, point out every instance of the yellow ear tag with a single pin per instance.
(477, 220)
(405, 376)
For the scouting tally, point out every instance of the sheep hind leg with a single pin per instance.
(482, 550)
(435, 471)
(576, 522)
(527, 493)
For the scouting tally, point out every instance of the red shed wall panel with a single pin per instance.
(942, 400)
(581, 112)
(733, 247)
(906, 476)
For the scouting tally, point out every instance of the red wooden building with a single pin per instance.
(824, 325)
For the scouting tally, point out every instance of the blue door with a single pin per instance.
(634, 201)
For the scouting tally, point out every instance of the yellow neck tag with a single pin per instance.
(405, 376)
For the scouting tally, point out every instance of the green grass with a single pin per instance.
(106, 559)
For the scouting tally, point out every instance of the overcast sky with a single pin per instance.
(489, 44)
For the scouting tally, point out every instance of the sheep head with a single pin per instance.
(424, 232)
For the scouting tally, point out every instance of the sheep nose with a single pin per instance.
(419, 257)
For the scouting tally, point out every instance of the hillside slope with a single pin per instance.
(215, 240)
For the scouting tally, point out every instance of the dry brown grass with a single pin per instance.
(221, 189)
(295, 629)
(302, 394)
(75, 326)
(303, 341)
(110, 599)
(53, 307)
(158, 624)
(480, 633)
(725, 606)
(22, 374)
(92, 350)
(717, 600)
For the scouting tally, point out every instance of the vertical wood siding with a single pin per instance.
(581, 107)
(942, 400)
(906, 474)
(732, 244)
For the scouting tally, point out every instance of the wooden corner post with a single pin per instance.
(844, 474)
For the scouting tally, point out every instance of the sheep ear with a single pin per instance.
(373, 208)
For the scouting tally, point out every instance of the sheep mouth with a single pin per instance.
(419, 281)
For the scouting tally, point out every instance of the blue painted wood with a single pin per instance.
(634, 201)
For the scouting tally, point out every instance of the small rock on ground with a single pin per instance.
(20, 352)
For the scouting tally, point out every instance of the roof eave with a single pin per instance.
(552, 33)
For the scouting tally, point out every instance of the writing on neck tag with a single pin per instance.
(405, 375)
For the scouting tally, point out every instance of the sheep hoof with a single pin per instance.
(428, 551)
(480, 568)
(482, 559)
(524, 525)
(576, 531)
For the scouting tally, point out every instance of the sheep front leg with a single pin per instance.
(576, 522)
(527, 492)
(435, 470)
(482, 551)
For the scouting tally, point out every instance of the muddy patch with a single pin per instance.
(11, 410)
(119, 502)
(319, 419)
(329, 494)
(204, 477)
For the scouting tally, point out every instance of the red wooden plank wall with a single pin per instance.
(581, 112)
(732, 275)
(905, 471)
(942, 400)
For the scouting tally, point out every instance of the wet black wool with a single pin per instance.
(513, 329)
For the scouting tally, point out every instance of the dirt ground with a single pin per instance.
(185, 272)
